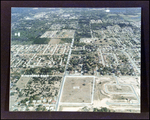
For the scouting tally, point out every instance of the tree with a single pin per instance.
(27, 109)
(12, 93)
(35, 97)
(101, 110)
(20, 94)
(38, 109)
(17, 89)
(70, 69)
(26, 99)
(29, 82)
(44, 109)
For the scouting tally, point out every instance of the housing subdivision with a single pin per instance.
(69, 59)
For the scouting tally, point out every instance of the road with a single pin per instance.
(78, 104)
(45, 49)
(117, 42)
(40, 75)
(117, 83)
(131, 60)
(18, 63)
(31, 59)
(64, 76)
(18, 50)
(93, 91)
(64, 50)
(68, 103)
(97, 70)
(116, 58)
(102, 57)
(91, 31)
(54, 49)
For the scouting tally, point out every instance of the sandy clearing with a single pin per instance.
(101, 103)
(71, 108)
(77, 90)
(54, 41)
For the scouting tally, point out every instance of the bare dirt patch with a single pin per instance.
(70, 108)
(54, 41)
(65, 33)
(22, 82)
(118, 88)
(77, 90)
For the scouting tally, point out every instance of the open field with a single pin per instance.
(134, 80)
(54, 41)
(59, 34)
(12, 100)
(66, 34)
(118, 88)
(64, 108)
(114, 91)
(65, 59)
(77, 90)
(49, 34)
(22, 82)
(131, 17)
(111, 15)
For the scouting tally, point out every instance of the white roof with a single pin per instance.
(38, 100)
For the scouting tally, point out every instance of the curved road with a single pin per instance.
(108, 103)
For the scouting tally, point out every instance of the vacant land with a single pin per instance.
(12, 100)
(22, 82)
(117, 93)
(118, 88)
(49, 34)
(66, 34)
(77, 90)
(130, 17)
(54, 41)
(64, 108)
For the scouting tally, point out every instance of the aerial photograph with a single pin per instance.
(75, 59)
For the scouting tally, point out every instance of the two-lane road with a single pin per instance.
(63, 81)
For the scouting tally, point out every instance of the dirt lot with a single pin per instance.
(22, 82)
(118, 88)
(49, 34)
(129, 17)
(77, 90)
(12, 100)
(63, 108)
(54, 41)
(66, 34)
(123, 97)
(119, 102)
(134, 80)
